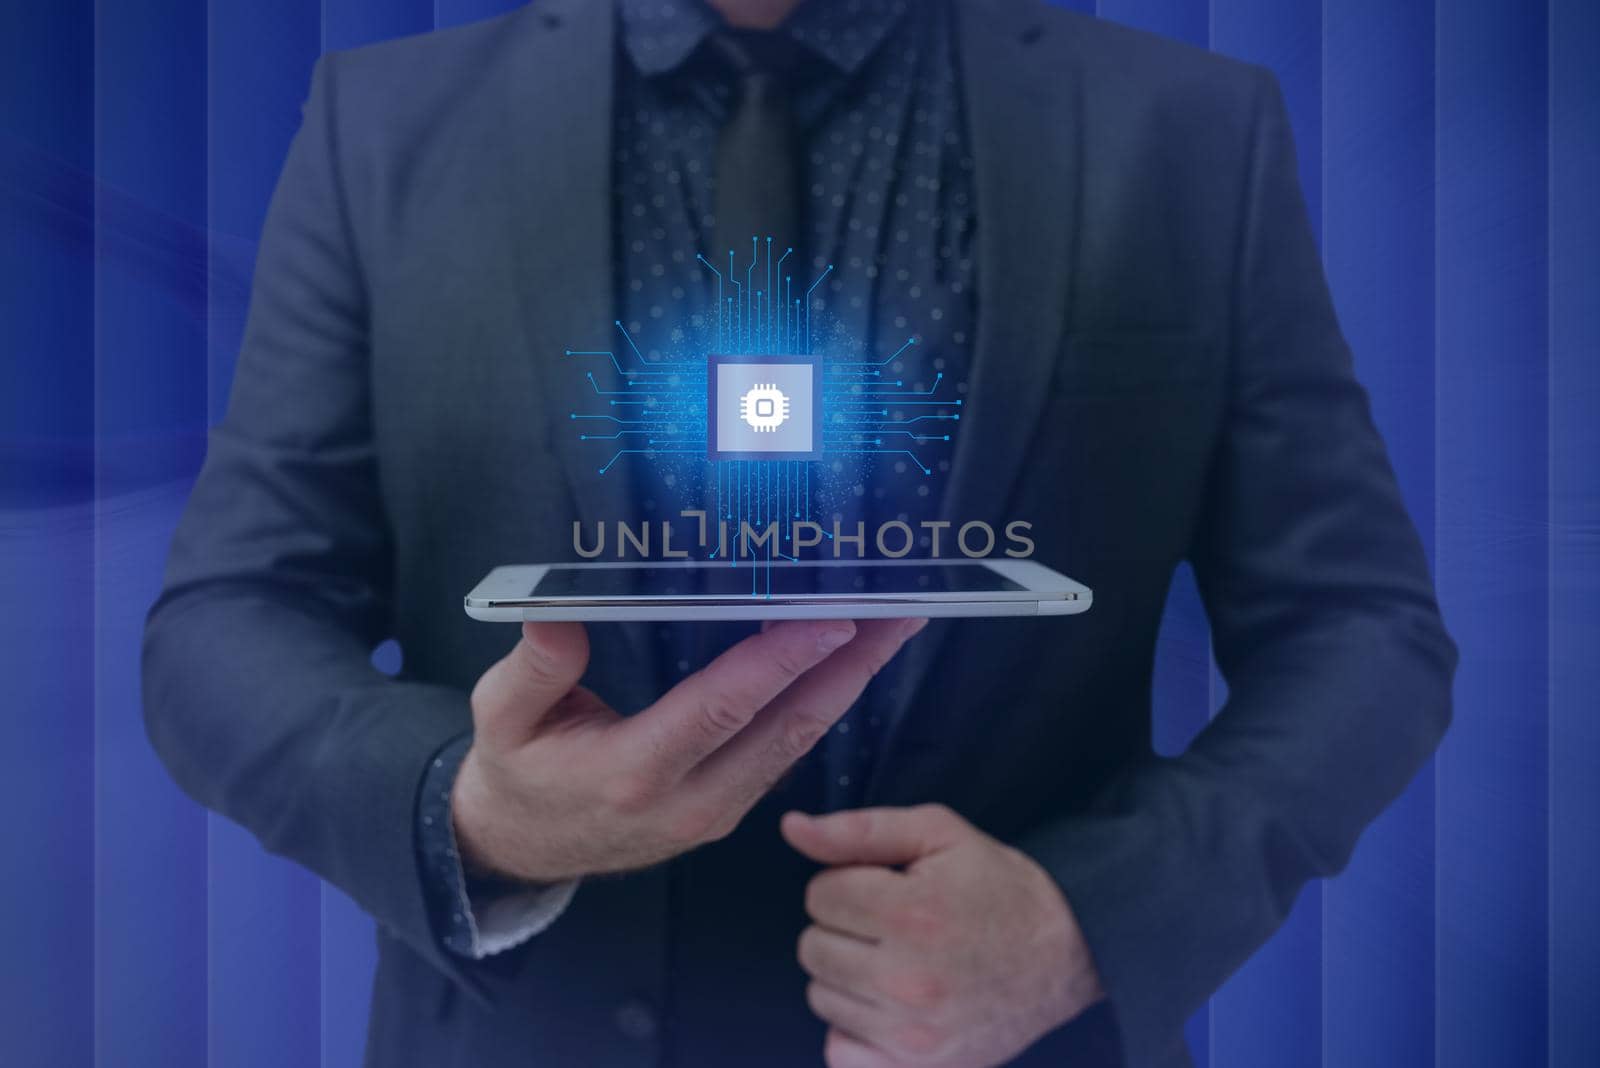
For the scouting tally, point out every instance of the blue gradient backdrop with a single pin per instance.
(1451, 157)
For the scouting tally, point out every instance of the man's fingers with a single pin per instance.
(700, 714)
(841, 1049)
(854, 900)
(748, 766)
(841, 961)
(846, 1013)
(514, 695)
(873, 835)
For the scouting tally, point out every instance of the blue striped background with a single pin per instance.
(1451, 155)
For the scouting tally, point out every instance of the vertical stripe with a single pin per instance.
(260, 59)
(149, 413)
(1574, 937)
(1270, 1013)
(264, 928)
(1182, 20)
(349, 957)
(1286, 37)
(1378, 205)
(46, 549)
(350, 23)
(46, 171)
(456, 12)
(1492, 396)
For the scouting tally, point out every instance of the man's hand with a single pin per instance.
(557, 785)
(932, 943)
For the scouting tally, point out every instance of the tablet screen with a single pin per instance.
(787, 580)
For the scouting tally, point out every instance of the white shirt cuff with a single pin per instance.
(509, 918)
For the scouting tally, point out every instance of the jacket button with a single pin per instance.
(636, 1019)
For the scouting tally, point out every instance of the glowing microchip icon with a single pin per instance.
(764, 407)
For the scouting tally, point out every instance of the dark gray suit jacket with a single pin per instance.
(1159, 377)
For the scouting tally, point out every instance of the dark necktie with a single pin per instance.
(758, 164)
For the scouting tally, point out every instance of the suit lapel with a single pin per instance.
(1021, 95)
(559, 191)
(558, 177)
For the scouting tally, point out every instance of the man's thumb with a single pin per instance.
(889, 836)
(514, 695)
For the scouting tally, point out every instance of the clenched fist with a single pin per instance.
(933, 944)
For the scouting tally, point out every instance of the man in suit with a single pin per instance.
(1110, 230)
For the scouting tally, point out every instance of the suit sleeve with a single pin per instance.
(477, 917)
(1325, 627)
(259, 692)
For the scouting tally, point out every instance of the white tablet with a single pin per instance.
(809, 589)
